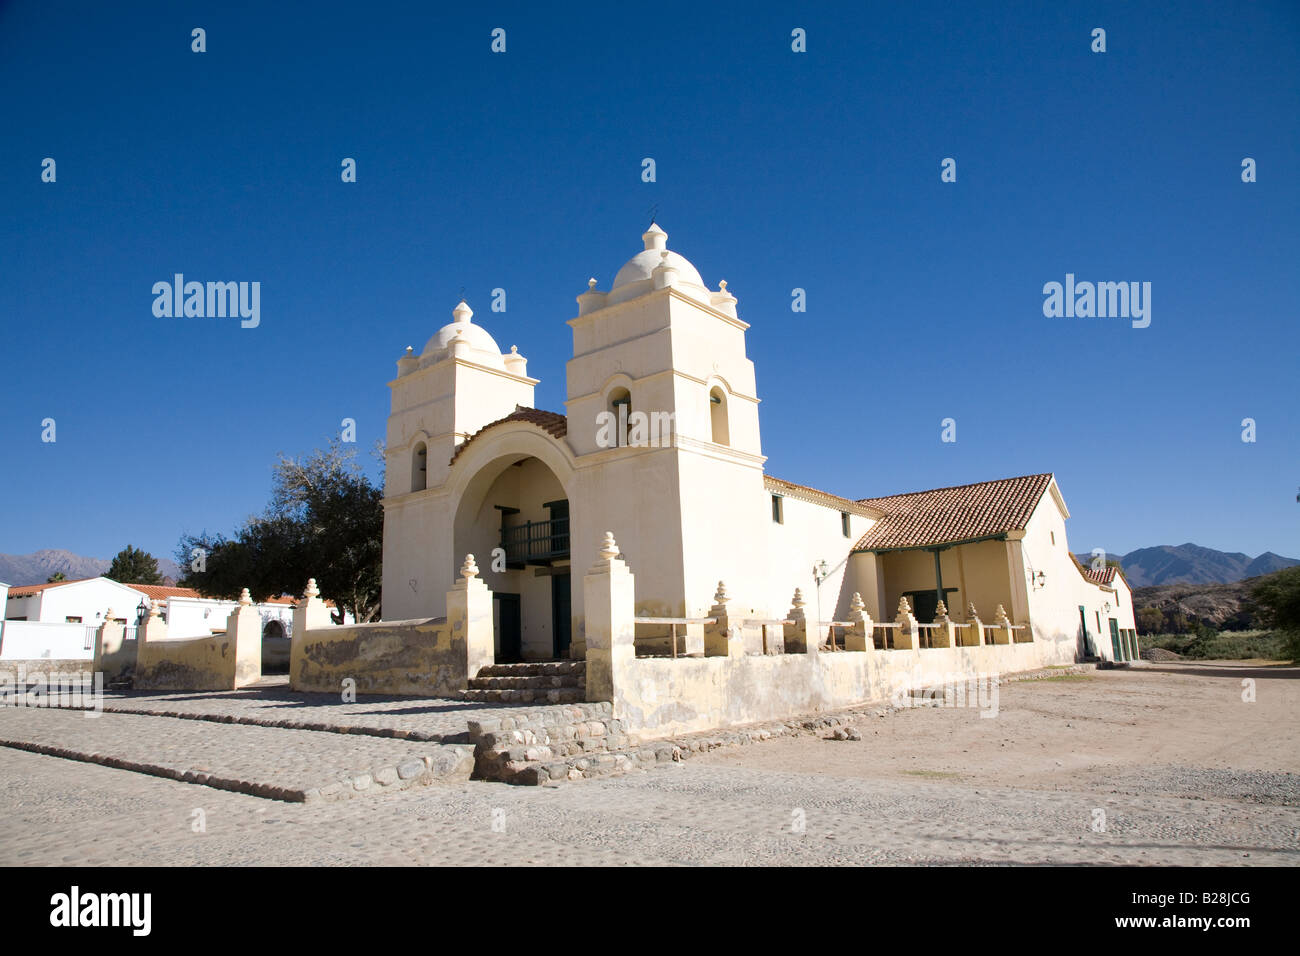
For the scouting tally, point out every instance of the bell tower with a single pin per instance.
(664, 354)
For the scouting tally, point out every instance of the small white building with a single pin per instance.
(57, 620)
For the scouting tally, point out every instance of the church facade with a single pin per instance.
(659, 443)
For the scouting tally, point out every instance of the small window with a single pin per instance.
(778, 509)
(72, 620)
(620, 406)
(719, 430)
(420, 468)
(844, 523)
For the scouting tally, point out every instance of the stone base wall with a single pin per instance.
(392, 657)
(200, 664)
(659, 697)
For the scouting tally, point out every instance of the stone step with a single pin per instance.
(553, 695)
(575, 669)
(525, 683)
(587, 741)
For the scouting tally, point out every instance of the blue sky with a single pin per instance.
(775, 170)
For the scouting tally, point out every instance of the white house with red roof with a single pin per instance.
(55, 620)
(660, 445)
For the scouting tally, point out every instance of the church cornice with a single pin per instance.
(669, 292)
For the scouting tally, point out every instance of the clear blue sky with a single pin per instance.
(775, 170)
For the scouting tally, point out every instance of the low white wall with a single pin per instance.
(664, 697)
(33, 640)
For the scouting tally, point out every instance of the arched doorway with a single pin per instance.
(513, 515)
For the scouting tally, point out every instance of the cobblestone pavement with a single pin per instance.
(59, 812)
(273, 704)
(923, 786)
(271, 762)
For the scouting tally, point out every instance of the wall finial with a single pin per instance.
(608, 546)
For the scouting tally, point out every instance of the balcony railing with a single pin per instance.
(536, 542)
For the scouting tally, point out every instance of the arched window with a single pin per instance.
(620, 405)
(718, 416)
(273, 629)
(420, 468)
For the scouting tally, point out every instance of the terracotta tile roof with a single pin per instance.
(819, 497)
(27, 590)
(1105, 577)
(951, 515)
(156, 592)
(1098, 575)
(553, 423)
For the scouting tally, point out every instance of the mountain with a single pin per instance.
(1192, 564)
(1226, 607)
(36, 568)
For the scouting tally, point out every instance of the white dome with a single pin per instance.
(636, 276)
(643, 264)
(475, 336)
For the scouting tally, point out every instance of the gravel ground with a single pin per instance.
(1143, 766)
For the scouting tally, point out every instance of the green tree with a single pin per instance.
(325, 521)
(133, 566)
(56, 576)
(1277, 598)
(1150, 620)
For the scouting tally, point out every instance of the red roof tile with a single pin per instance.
(1099, 575)
(952, 515)
(27, 590)
(553, 423)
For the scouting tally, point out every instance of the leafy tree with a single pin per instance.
(325, 520)
(1150, 620)
(56, 576)
(1277, 598)
(133, 566)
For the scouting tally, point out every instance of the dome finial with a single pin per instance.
(462, 312)
(655, 238)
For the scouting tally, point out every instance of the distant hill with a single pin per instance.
(1192, 564)
(36, 568)
(1227, 607)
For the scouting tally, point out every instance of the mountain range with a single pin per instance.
(36, 568)
(1145, 567)
(1192, 564)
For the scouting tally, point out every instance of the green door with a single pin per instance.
(1115, 642)
(561, 614)
(509, 627)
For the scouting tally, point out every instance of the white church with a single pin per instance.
(660, 444)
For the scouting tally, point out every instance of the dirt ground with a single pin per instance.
(1152, 728)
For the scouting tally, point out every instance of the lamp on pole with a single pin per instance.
(820, 573)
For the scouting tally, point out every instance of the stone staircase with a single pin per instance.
(534, 682)
(555, 744)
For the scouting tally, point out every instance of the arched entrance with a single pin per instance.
(513, 515)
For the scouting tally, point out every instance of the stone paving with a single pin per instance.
(59, 812)
(271, 703)
(299, 765)
(1237, 804)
